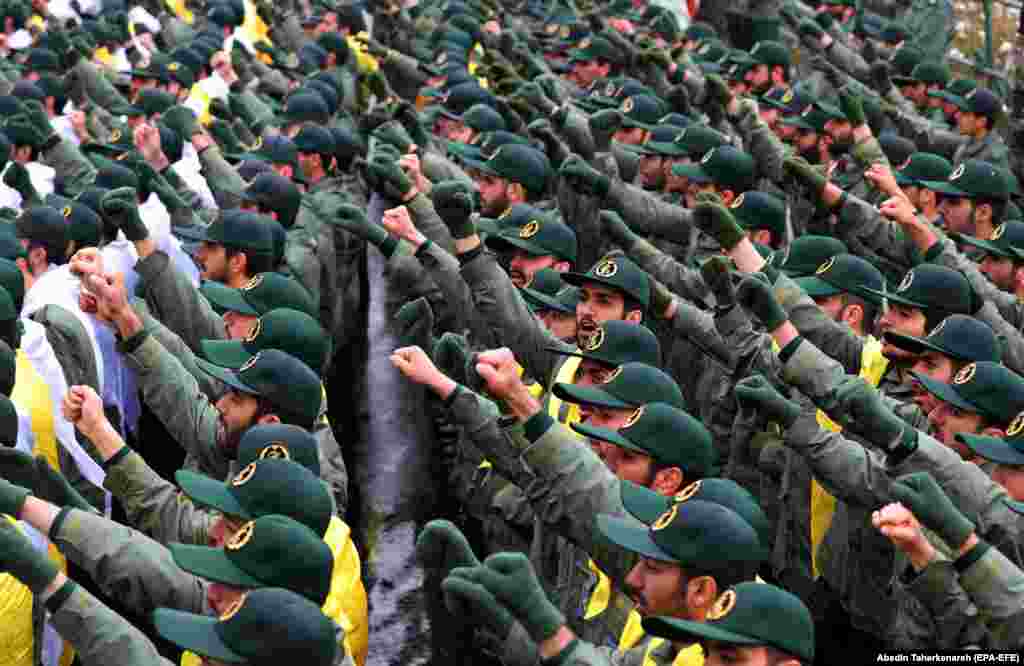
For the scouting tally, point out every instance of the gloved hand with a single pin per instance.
(925, 498)
(661, 297)
(453, 202)
(406, 114)
(220, 109)
(353, 219)
(655, 56)
(414, 322)
(467, 599)
(861, 406)
(852, 106)
(18, 179)
(40, 478)
(393, 181)
(120, 208)
(441, 547)
(804, 172)
(616, 228)
(717, 90)
(534, 95)
(511, 579)
(552, 145)
(757, 297)
(150, 180)
(718, 222)
(36, 115)
(825, 20)
(756, 392)
(585, 177)
(678, 98)
(880, 77)
(832, 74)
(225, 137)
(12, 498)
(603, 126)
(182, 120)
(810, 29)
(20, 558)
(715, 272)
(394, 134)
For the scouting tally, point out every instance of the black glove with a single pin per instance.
(756, 392)
(880, 77)
(757, 297)
(717, 277)
(585, 177)
(120, 208)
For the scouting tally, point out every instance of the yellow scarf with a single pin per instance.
(692, 655)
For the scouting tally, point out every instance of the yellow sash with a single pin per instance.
(633, 633)
(180, 10)
(365, 63)
(346, 602)
(557, 409)
(16, 632)
(32, 395)
(823, 506)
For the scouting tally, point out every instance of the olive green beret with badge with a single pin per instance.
(641, 112)
(516, 163)
(773, 54)
(986, 388)
(806, 254)
(270, 551)
(546, 291)
(667, 434)
(923, 167)
(749, 614)
(242, 230)
(1008, 450)
(760, 210)
(929, 73)
(726, 166)
(261, 488)
(596, 48)
(264, 627)
(974, 179)
(931, 288)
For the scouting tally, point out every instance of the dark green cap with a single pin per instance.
(516, 163)
(616, 342)
(660, 141)
(283, 380)
(291, 331)
(43, 224)
(629, 385)
(84, 225)
(264, 627)
(641, 111)
(279, 441)
(697, 140)
(21, 132)
(955, 91)
(771, 53)
(986, 388)
(726, 166)
(981, 101)
(931, 287)
(238, 229)
(539, 237)
(1007, 241)
(973, 179)
(154, 100)
(665, 433)
(595, 48)
(760, 210)
(844, 274)
(263, 293)
(12, 280)
(926, 72)
(957, 336)
(811, 119)
(924, 167)
(181, 73)
(271, 551)
(618, 272)
(483, 118)
(748, 614)
(546, 291)
(8, 369)
(646, 505)
(699, 31)
(1008, 450)
(710, 50)
(262, 488)
(274, 192)
(791, 101)
(513, 218)
(806, 253)
(695, 533)
(273, 149)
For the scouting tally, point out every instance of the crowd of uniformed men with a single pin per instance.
(715, 312)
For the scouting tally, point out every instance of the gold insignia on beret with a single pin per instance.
(666, 518)
(704, 49)
(606, 268)
(257, 144)
(707, 156)
(1016, 425)
(938, 329)
(248, 364)
(565, 32)
(594, 340)
(173, 67)
(966, 374)
(610, 377)
(275, 451)
(680, 137)
(633, 418)
(115, 135)
(628, 105)
(505, 213)
(551, 29)
(971, 94)
(241, 537)
(738, 201)
(957, 172)
(66, 211)
(723, 605)
(253, 282)
(687, 492)
(825, 267)
(496, 153)
(908, 279)
(233, 608)
(243, 477)
(998, 232)
(584, 43)
(787, 96)
(254, 332)
(530, 229)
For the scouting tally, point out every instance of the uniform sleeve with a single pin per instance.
(680, 279)
(430, 224)
(127, 565)
(174, 396)
(156, 506)
(222, 179)
(956, 618)
(74, 172)
(835, 339)
(761, 142)
(861, 221)
(646, 214)
(176, 303)
(996, 585)
(101, 636)
(301, 255)
(211, 387)
(512, 324)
